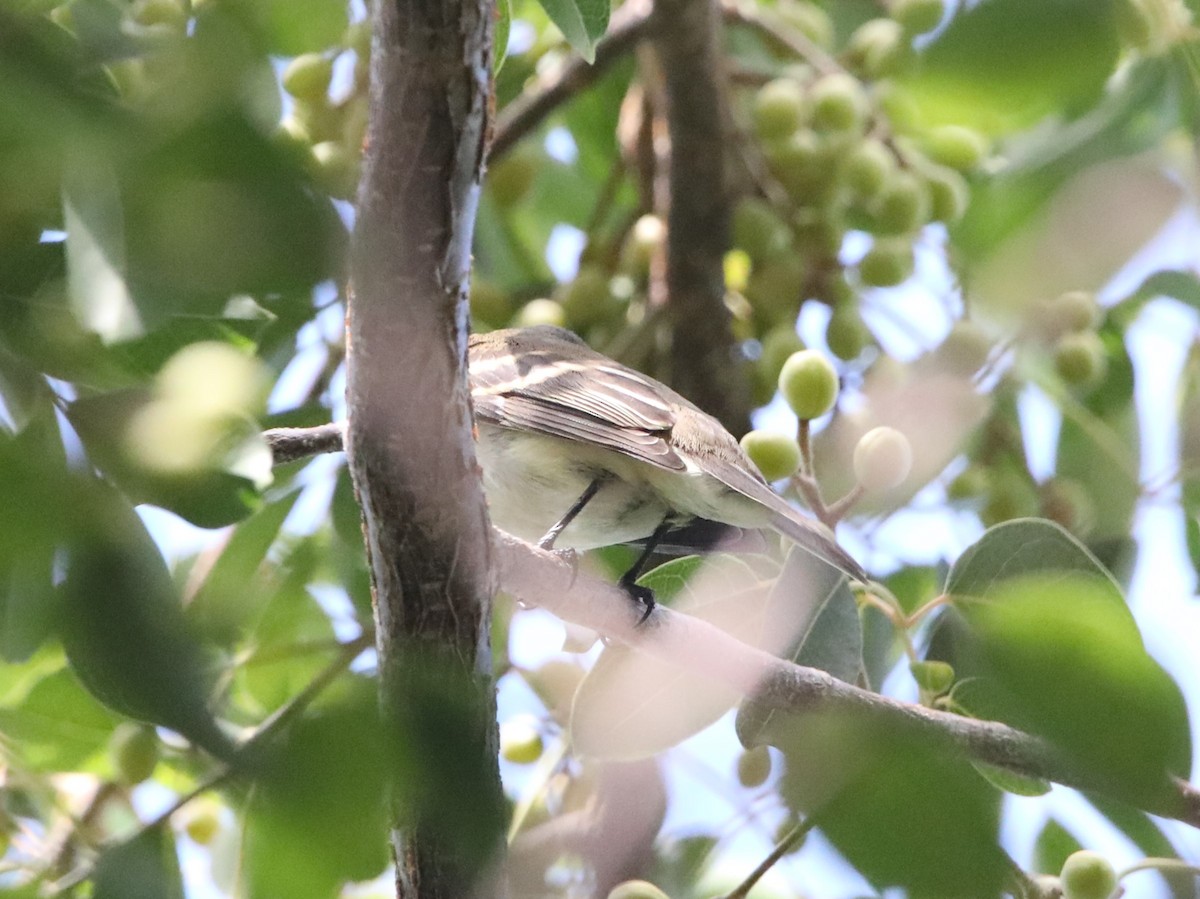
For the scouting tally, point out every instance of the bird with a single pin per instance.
(578, 451)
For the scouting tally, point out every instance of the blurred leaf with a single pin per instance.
(318, 819)
(1063, 660)
(146, 355)
(92, 217)
(144, 867)
(1053, 846)
(1001, 65)
(631, 705)
(679, 863)
(812, 604)
(903, 811)
(232, 595)
(500, 39)
(124, 630)
(57, 726)
(1146, 835)
(291, 27)
(1178, 284)
(1012, 782)
(582, 22)
(209, 497)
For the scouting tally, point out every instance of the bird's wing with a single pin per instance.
(810, 535)
(590, 399)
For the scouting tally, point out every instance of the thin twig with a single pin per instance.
(786, 845)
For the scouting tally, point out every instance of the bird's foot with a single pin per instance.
(640, 594)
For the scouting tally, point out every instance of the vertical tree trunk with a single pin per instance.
(409, 440)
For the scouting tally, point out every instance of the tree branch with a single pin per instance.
(630, 25)
(409, 443)
(706, 366)
(291, 444)
(547, 579)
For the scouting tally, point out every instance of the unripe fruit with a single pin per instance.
(801, 164)
(758, 230)
(1011, 496)
(776, 455)
(932, 676)
(1087, 875)
(949, 194)
(1081, 359)
(777, 345)
(520, 741)
(965, 349)
(902, 205)
(736, 266)
(336, 169)
(955, 146)
(510, 179)
(882, 459)
(877, 48)
(490, 304)
(202, 823)
(839, 103)
(646, 238)
(809, 384)
(317, 118)
(357, 37)
(541, 312)
(902, 111)
(809, 19)
(754, 767)
(588, 300)
(846, 333)
(1075, 310)
(774, 289)
(889, 262)
(637, 889)
(973, 482)
(868, 167)
(170, 13)
(918, 16)
(779, 109)
(134, 750)
(307, 76)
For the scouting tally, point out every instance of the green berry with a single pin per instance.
(317, 118)
(775, 289)
(511, 177)
(889, 262)
(307, 76)
(134, 750)
(918, 16)
(645, 239)
(846, 333)
(809, 383)
(758, 230)
(777, 345)
(779, 109)
(809, 19)
(965, 349)
(878, 48)
(1087, 875)
(169, 13)
(520, 741)
(932, 677)
(541, 312)
(955, 146)
(902, 205)
(202, 823)
(357, 37)
(1080, 358)
(636, 889)
(754, 767)
(902, 111)
(776, 455)
(336, 169)
(949, 194)
(882, 459)
(801, 164)
(1070, 312)
(868, 167)
(587, 300)
(839, 103)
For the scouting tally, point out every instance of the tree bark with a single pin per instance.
(409, 439)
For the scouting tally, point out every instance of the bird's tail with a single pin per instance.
(818, 540)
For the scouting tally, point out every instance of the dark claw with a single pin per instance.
(641, 594)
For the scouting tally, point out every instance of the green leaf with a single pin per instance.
(582, 22)
(1061, 659)
(904, 811)
(1001, 65)
(1011, 781)
(291, 27)
(500, 40)
(57, 725)
(1148, 837)
(144, 867)
(631, 705)
(233, 595)
(1053, 846)
(1022, 548)
(812, 608)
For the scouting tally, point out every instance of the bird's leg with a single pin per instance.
(628, 581)
(547, 541)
